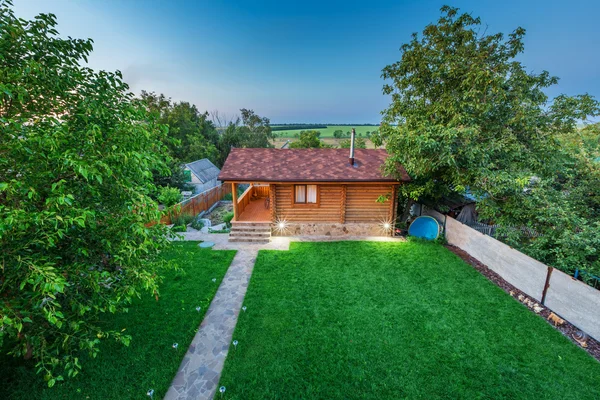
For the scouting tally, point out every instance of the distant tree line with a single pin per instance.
(290, 127)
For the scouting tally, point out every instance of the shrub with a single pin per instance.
(182, 220)
(74, 210)
(197, 224)
(227, 218)
(169, 196)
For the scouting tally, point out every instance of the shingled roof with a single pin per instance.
(305, 165)
(203, 169)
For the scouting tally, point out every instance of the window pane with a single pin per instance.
(311, 196)
(300, 194)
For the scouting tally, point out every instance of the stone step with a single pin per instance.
(251, 224)
(251, 228)
(246, 239)
(263, 234)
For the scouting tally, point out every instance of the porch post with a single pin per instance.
(235, 200)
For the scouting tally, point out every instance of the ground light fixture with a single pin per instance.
(385, 225)
(175, 345)
(150, 393)
(235, 343)
(222, 390)
(281, 225)
(244, 308)
(198, 308)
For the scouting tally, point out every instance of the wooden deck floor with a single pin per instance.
(255, 212)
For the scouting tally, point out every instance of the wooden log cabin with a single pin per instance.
(293, 192)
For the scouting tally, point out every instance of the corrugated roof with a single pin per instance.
(310, 165)
(204, 169)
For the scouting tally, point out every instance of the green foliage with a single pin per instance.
(181, 221)
(227, 218)
(210, 230)
(169, 196)
(249, 131)
(197, 224)
(76, 149)
(338, 133)
(365, 317)
(191, 136)
(308, 140)
(120, 372)
(467, 117)
(359, 143)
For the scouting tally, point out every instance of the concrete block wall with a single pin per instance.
(577, 302)
(573, 300)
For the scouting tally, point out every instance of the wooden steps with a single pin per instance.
(250, 232)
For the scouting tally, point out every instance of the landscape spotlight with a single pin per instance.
(387, 226)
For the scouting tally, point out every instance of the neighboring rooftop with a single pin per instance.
(204, 169)
(310, 165)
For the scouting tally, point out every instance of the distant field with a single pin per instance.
(328, 132)
(280, 141)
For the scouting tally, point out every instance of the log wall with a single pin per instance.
(362, 205)
(336, 203)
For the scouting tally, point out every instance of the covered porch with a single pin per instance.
(254, 205)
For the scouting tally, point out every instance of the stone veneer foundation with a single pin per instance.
(329, 229)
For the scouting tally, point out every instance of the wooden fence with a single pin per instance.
(197, 204)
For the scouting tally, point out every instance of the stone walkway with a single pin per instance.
(200, 370)
(201, 367)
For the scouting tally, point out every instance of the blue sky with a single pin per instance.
(308, 61)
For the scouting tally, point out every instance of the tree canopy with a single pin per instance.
(251, 130)
(308, 140)
(467, 117)
(359, 143)
(76, 150)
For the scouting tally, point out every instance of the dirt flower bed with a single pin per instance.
(567, 329)
(216, 215)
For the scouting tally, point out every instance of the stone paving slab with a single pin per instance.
(201, 367)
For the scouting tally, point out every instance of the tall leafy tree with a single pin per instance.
(250, 130)
(76, 149)
(191, 136)
(466, 116)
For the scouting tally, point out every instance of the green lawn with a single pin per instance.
(356, 320)
(150, 362)
(328, 132)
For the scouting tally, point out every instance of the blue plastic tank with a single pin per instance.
(425, 227)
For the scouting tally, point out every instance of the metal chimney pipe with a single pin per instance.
(352, 147)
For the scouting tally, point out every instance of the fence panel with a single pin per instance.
(195, 205)
(573, 300)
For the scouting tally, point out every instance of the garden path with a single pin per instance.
(200, 370)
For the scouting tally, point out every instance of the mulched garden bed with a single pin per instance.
(567, 329)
